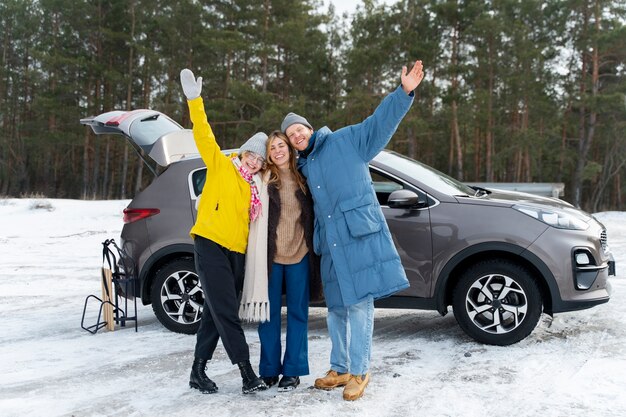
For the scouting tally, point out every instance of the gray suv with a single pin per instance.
(499, 259)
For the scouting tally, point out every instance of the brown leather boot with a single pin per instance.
(332, 380)
(356, 387)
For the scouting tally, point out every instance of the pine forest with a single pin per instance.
(515, 90)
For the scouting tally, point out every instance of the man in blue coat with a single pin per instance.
(358, 258)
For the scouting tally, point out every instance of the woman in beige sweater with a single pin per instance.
(282, 247)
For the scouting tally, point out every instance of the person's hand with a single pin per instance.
(191, 86)
(413, 78)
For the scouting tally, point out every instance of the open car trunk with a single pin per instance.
(158, 140)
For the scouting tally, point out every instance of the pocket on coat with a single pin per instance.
(362, 214)
(363, 220)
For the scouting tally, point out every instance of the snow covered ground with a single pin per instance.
(422, 364)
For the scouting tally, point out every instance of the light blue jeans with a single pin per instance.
(350, 329)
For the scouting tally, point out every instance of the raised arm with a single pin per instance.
(374, 133)
(202, 133)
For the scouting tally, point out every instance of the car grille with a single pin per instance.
(603, 240)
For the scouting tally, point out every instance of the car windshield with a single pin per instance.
(428, 175)
(146, 131)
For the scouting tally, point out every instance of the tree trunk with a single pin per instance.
(563, 149)
(489, 148)
(85, 192)
(131, 49)
(96, 170)
(587, 124)
(124, 172)
(614, 162)
(454, 122)
(264, 56)
(618, 193)
(477, 154)
(526, 174)
(412, 145)
(105, 175)
(139, 177)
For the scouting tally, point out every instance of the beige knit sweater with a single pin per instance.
(290, 247)
(290, 242)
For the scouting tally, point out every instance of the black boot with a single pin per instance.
(270, 381)
(198, 378)
(251, 382)
(288, 383)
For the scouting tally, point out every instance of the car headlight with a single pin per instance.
(560, 219)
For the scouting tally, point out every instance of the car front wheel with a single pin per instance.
(497, 302)
(177, 296)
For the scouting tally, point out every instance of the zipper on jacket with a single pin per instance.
(217, 206)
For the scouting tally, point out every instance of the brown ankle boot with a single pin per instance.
(332, 380)
(356, 387)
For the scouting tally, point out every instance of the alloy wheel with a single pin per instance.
(496, 303)
(182, 298)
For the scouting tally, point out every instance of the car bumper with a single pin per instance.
(563, 306)
(580, 265)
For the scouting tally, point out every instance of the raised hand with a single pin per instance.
(413, 78)
(191, 86)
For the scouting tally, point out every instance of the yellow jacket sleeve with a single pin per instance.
(203, 135)
(223, 212)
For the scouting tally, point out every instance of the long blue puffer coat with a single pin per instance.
(358, 255)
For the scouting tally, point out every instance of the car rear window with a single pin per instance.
(146, 131)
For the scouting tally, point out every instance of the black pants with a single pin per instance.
(221, 273)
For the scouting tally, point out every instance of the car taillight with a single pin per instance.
(134, 214)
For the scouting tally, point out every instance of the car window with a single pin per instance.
(197, 181)
(146, 131)
(426, 174)
(384, 185)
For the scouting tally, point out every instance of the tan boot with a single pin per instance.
(332, 380)
(355, 387)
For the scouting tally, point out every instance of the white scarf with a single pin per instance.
(255, 305)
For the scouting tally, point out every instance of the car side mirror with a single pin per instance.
(405, 199)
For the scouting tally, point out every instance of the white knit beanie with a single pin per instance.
(255, 144)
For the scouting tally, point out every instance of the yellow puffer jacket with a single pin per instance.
(223, 214)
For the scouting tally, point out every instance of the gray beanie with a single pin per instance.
(293, 118)
(255, 144)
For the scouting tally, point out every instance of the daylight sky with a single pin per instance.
(349, 6)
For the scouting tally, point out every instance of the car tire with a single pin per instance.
(497, 302)
(177, 296)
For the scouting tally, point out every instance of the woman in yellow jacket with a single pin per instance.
(230, 201)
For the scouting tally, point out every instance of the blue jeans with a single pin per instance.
(296, 360)
(350, 329)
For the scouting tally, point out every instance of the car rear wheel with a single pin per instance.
(177, 296)
(497, 302)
